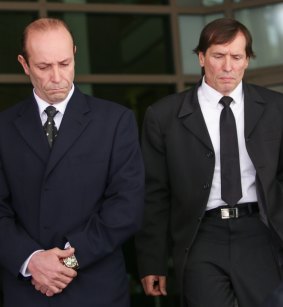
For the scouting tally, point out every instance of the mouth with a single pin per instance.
(56, 90)
(226, 79)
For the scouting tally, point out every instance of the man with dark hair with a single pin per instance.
(214, 180)
(71, 184)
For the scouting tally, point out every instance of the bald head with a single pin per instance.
(42, 25)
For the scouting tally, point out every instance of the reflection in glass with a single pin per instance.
(147, 2)
(12, 25)
(132, 44)
(11, 94)
(199, 2)
(135, 97)
(265, 24)
(190, 29)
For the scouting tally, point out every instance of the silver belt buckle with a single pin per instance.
(229, 213)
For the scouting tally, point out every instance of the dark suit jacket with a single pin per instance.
(179, 161)
(87, 190)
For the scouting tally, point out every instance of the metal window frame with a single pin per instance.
(262, 76)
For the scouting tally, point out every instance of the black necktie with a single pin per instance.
(49, 126)
(231, 190)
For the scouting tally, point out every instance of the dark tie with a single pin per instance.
(231, 190)
(49, 126)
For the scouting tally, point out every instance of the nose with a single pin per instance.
(227, 64)
(55, 74)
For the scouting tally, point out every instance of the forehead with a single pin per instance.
(237, 45)
(51, 43)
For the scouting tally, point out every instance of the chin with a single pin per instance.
(57, 99)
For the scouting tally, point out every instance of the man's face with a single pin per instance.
(225, 64)
(50, 64)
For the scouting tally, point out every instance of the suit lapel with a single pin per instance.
(29, 125)
(192, 118)
(254, 108)
(74, 122)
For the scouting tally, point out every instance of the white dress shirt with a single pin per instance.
(211, 109)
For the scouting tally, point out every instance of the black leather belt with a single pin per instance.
(226, 212)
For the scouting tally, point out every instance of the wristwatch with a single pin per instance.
(71, 262)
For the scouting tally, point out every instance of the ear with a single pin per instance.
(201, 59)
(75, 49)
(24, 64)
(247, 62)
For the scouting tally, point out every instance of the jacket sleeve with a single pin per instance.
(152, 240)
(15, 243)
(121, 207)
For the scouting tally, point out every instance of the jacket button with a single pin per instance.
(206, 186)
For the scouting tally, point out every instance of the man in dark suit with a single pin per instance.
(71, 184)
(214, 214)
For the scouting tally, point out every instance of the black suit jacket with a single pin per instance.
(179, 161)
(87, 190)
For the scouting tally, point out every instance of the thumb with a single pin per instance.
(64, 253)
(162, 285)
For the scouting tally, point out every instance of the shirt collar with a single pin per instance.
(213, 96)
(60, 106)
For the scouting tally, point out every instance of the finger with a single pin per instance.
(148, 285)
(59, 285)
(64, 253)
(43, 290)
(53, 290)
(66, 274)
(162, 285)
(155, 285)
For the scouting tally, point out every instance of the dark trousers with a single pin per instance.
(232, 263)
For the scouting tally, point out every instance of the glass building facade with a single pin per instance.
(137, 51)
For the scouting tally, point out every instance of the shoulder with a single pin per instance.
(169, 107)
(171, 102)
(102, 106)
(264, 92)
(12, 112)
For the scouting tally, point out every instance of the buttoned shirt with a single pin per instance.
(211, 109)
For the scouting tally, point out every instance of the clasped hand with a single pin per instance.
(49, 275)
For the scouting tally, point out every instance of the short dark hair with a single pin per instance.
(222, 31)
(42, 24)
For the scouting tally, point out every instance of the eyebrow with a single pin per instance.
(47, 63)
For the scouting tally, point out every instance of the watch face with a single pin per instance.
(71, 262)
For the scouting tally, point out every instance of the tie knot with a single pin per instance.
(51, 111)
(225, 101)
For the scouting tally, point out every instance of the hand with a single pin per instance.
(154, 285)
(49, 275)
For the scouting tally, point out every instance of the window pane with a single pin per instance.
(147, 2)
(277, 88)
(19, 0)
(11, 29)
(135, 97)
(265, 24)
(132, 44)
(198, 2)
(190, 29)
(13, 93)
